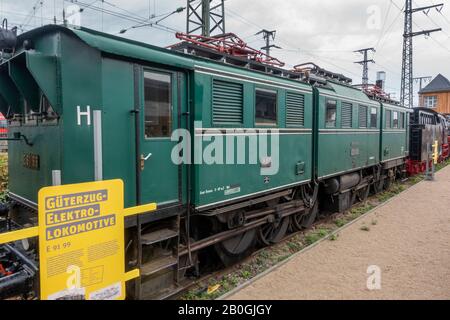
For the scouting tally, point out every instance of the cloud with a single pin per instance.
(323, 31)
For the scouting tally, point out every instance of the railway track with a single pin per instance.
(324, 219)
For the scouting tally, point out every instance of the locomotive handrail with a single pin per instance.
(17, 235)
(32, 232)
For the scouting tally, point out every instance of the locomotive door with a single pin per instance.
(160, 96)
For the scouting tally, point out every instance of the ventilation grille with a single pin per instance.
(227, 103)
(295, 109)
(362, 116)
(347, 115)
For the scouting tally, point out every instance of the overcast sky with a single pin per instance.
(322, 31)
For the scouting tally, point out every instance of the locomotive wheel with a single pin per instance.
(363, 194)
(378, 186)
(274, 232)
(235, 249)
(305, 220)
(388, 183)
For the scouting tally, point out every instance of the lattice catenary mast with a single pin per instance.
(406, 91)
(207, 16)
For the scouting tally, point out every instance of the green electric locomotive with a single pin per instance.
(234, 152)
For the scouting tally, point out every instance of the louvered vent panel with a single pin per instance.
(347, 115)
(362, 116)
(295, 109)
(227, 103)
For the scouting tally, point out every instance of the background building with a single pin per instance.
(436, 95)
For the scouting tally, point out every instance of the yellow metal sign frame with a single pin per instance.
(81, 240)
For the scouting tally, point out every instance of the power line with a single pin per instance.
(435, 40)
(387, 69)
(442, 15)
(384, 23)
(421, 80)
(428, 35)
(406, 93)
(267, 36)
(156, 23)
(286, 43)
(129, 17)
(111, 12)
(426, 14)
(245, 20)
(122, 9)
(439, 44)
(205, 16)
(31, 14)
(378, 46)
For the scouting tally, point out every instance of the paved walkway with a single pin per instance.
(409, 240)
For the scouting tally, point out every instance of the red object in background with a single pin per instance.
(231, 44)
(3, 271)
(3, 126)
(416, 167)
(445, 151)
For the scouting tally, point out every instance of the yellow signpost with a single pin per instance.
(81, 232)
(436, 152)
(81, 241)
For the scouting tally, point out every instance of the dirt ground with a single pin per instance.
(408, 239)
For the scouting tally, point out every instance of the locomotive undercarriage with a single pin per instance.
(183, 244)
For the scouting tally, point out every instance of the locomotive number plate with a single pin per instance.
(31, 161)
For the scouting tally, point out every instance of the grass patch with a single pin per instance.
(3, 176)
(334, 237)
(340, 222)
(316, 236)
(271, 256)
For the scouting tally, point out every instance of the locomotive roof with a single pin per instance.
(112, 44)
(143, 51)
(427, 110)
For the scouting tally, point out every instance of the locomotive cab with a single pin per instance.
(33, 110)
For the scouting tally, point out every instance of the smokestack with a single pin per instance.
(381, 80)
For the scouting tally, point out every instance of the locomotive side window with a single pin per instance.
(330, 121)
(158, 104)
(266, 107)
(388, 119)
(373, 118)
(395, 118)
